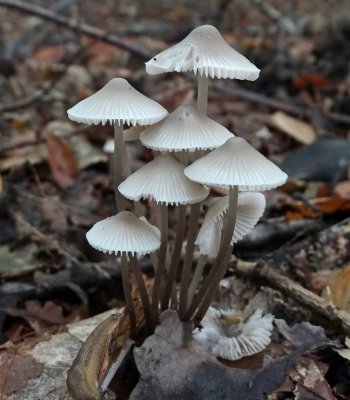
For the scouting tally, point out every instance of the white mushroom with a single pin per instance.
(206, 53)
(118, 103)
(127, 236)
(163, 181)
(235, 165)
(185, 129)
(231, 340)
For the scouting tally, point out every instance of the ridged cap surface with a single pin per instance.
(163, 181)
(250, 208)
(235, 341)
(185, 129)
(117, 102)
(124, 233)
(236, 162)
(204, 51)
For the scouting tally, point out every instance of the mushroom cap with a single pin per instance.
(204, 51)
(124, 233)
(117, 102)
(236, 162)
(185, 129)
(163, 181)
(235, 341)
(250, 208)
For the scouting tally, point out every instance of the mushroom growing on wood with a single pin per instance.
(118, 103)
(163, 181)
(235, 166)
(128, 237)
(204, 52)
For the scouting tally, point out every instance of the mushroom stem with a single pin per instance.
(220, 265)
(219, 268)
(127, 293)
(202, 261)
(180, 232)
(142, 290)
(186, 269)
(158, 278)
(118, 158)
(202, 97)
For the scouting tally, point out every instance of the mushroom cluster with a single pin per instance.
(180, 177)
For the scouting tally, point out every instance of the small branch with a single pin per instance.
(74, 25)
(262, 272)
(292, 109)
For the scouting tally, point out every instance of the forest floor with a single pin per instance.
(55, 176)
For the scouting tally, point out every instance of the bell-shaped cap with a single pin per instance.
(232, 341)
(250, 208)
(236, 163)
(185, 129)
(124, 233)
(204, 51)
(117, 102)
(163, 181)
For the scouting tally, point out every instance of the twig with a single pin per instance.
(253, 97)
(29, 8)
(262, 272)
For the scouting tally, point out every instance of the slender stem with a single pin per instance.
(225, 251)
(202, 261)
(186, 269)
(226, 237)
(127, 294)
(163, 212)
(174, 264)
(202, 98)
(142, 290)
(118, 158)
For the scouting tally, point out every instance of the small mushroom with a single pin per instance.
(250, 208)
(163, 181)
(185, 129)
(128, 237)
(205, 52)
(232, 339)
(118, 103)
(235, 165)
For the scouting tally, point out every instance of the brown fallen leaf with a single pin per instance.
(310, 382)
(63, 164)
(342, 189)
(314, 208)
(297, 129)
(15, 370)
(338, 289)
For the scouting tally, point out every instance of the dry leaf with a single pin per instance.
(63, 163)
(311, 383)
(338, 289)
(297, 129)
(16, 370)
(342, 189)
